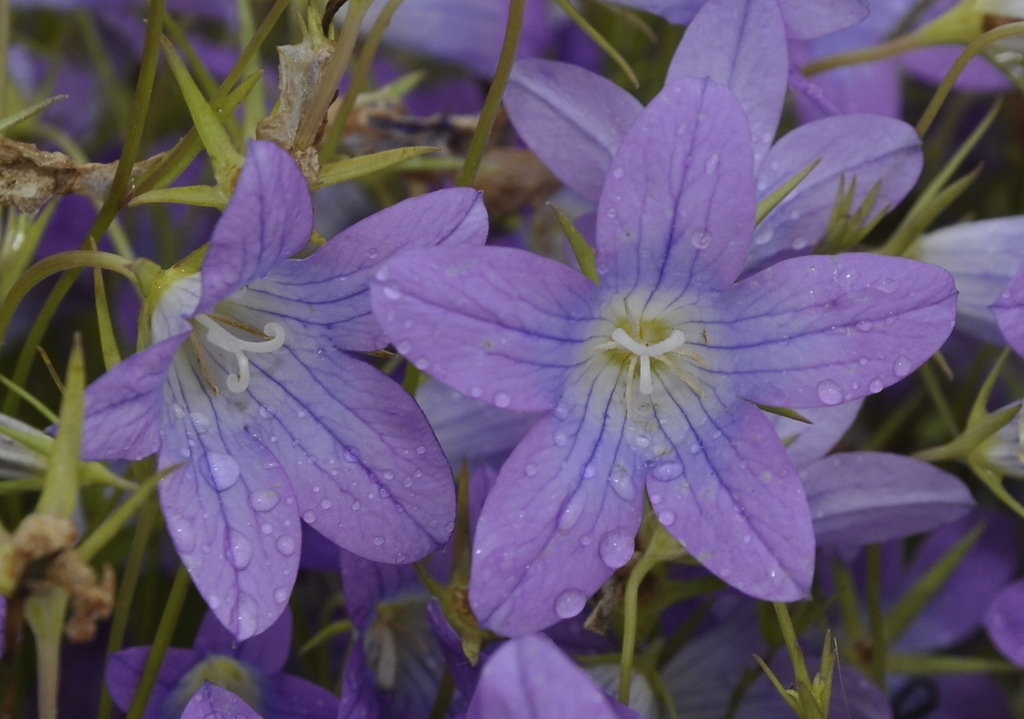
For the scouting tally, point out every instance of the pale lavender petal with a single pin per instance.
(269, 218)
(366, 583)
(864, 148)
(230, 509)
(982, 256)
(573, 119)
(1004, 621)
(728, 492)
(806, 443)
(470, 430)
(123, 407)
(291, 697)
(868, 88)
(562, 515)
(675, 11)
(741, 45)
(1009, 312)
(267, 651)
(817, 331)
(213, 701)
(814, 18)
(359, 697)
(530, 678)
(327, 294)
(677, 210)
(363, 463)
(498, 324)
(860, 498)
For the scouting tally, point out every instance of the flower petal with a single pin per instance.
(677, 210)
(124, 671)
(363, 463)
(860, 498)
(1009, 312)
(367, 583)
(327, 294)
(530, 678)
(213, 701)
(741, 45)
(123, 407)
(573, 119)
(229, 509)
(1005, 621)
(817, 331)
(982, 256)
(561, 517)
(269, 218)
(814, 18)
(806, 443)
(726, 489)
(862, 148)
(267, 651)
(498, 324)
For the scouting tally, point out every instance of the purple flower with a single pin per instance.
(530, 678)
(214, 701)
(1009, 312)
(251, 670)
(248, 385)
(651, 374)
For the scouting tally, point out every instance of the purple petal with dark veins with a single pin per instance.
(499, 324)
(267, 651)
(677, 209)
(741, 45)
(366, 583)
(806, 443)
(124, 671)
(123, 407)
(865, 148)
(860, 498)
(726, 489)
(572, 119)
(562, 515)
(1009, 312)
(821, 330)
(230, 508)
(213, 701)
(530, 678)
(327, 294)
(269, 218)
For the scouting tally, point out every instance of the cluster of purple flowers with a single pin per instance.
(491, 465)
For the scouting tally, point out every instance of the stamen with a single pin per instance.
(645, 352)
(220, 337)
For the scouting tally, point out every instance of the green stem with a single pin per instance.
(5, 44)
(161, 642)
(327, 87)
(890, 48)
(492, 103)
(630, 612)
(45, 615)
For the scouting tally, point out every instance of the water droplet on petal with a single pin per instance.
(696, 447)
(530, 470)
(667, 518)
(559, 438)
(622, 483)
(876, 386)
(263, 500)
(224, 470)
(378, 541)
(712, 164)
(902, 366)
(179, 411)
(475, 392)
(571, 512)
(562, 410)
(403, 347)
(618, 172)
(421, 450)
(569, 603)
(589, 471)
(700, 239)
(309, 516)
(286, 545)
(502, 399)
(201, 422)
(887, 286)
(864, 326)
(830, 392)
(247, 614)
(185, 538)
(240, 550)
(265, 413)
(281, 595)
(667, 471)
(615, 548)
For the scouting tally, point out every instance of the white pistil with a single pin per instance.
(220, 337)
(645, 352)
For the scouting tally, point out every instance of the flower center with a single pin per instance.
(643, 352)
(270, 339)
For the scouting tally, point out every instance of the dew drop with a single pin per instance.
(350, 456)
(876, 386)
(667, 471)
(285, 544)
(830, 392)
(325, 504)
(763, 236)
(559, 438)
(263, 500)
(281, 595)
(502, 399)
(530, 470)
(247, 612)
(864, 326)
(421, 450)
(392, 292)
(589, 471)
(712, 164)
(642, 441)
(179, 411)
(618, 172)
(224, 470)
(696, 447)
(612, 213)
(569, 603)
(240, 551)
(475, 392)
(622, 483)
(265, 413)
(562, 410)
(403, 347)
(887, 286)
(267, 528)
(378, 541)
(571, 513)
(201, 422)
(357, 505)
(185, 538)
(700, 239)
(863, 361)
(667, 518)
(615, 548)
(902, 366)
(309, 516)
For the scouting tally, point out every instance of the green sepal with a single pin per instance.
(846, 226)
(225, 158)
(931, 664)
(584, 253)
(60, 484)
(784, 412)
(355, 167)
(197, 195)
(772, 201)
(15, 117)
